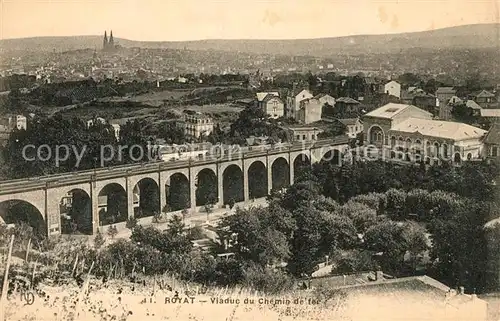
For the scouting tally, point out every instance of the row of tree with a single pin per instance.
(87, 147)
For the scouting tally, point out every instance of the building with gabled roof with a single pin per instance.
(294, 99)
(271, 104)
(392, 88)
(492, 142)
(262, 95)
(485, 99)
(354, 126)
(325, 99)
(444, 94)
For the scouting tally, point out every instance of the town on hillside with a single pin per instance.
(298, 183)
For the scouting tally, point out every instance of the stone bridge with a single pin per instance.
(85, 200)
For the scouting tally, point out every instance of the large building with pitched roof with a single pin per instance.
(408, 133)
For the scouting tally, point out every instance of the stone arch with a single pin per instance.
(112, 204)
(146, 198)
(280, 173)
(469, 156)
(75, 209)
(300, 162)
(178, 192)
(375, 135)
(232, 184)
(457, 159)
(206, 187)
(257, 180)
(18, 211)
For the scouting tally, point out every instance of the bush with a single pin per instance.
(324, 294)
(112, 231)
(196, 233)
(157, 218)
(98, 240)
(374, 201)
(131, 223)
(361, 215)
(354, 261)
(267, 280)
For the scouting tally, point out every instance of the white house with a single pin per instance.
(197, 125)
(100, 120)
(293, 101)
(354, 126)
(392, 88)
(325, 99)
(271, 104)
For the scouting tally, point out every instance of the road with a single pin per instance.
(201, 218)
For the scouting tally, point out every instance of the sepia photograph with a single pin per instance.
(235, 160)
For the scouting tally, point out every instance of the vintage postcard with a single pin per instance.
(250, 160)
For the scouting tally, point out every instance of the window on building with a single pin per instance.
(298, 136)
(304, 137)
(393, 141)
(494, 151)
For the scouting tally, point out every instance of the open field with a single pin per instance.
(161, 95)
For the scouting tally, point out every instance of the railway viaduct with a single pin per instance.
(111, 195)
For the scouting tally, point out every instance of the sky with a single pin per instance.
(169, 20)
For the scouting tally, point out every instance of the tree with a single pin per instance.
(416, 241)
(459, 249)
(387, 239)
(318, 233)
(261, 235)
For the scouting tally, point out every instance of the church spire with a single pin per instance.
(105, 41)
(111, 40)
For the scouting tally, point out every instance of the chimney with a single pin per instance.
(461, 290)
(473, 296)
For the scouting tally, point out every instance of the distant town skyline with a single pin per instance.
(168, 20)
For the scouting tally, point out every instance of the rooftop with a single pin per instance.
(472, 104)
(349, 121)
(493, 135)
(484, 94)
(347, 100)
(490, 112)
(318, 96)
(262, 95)
(438, 128)
(390, 110)
(446, 90)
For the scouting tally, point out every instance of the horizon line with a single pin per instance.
(261, 39)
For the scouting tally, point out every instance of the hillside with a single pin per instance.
(468, 36)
